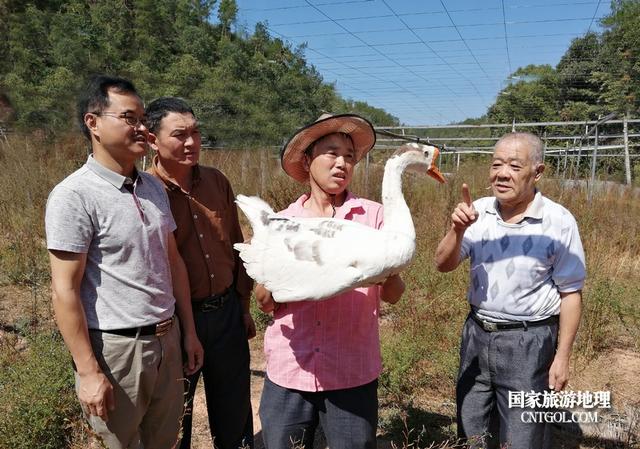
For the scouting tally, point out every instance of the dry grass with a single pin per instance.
(420, 335)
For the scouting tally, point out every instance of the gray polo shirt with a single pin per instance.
(127, 278)
(519, 270)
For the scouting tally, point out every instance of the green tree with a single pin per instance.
(227, 14)
(620, 61)
(534, 97)
(247, 89)
(579, 90)
(375, 115)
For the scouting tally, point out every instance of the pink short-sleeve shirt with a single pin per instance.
(330, 344)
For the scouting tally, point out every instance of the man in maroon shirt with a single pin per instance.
(202, 203)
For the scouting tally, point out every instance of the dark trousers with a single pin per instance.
(491, 365)
(226, 377)
(348, 417)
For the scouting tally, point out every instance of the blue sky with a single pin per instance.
(426, 62)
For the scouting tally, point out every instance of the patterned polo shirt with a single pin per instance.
(519, 270)
(330, 344)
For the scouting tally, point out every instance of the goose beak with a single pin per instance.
(433, 170)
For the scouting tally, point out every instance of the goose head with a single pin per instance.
(419, 158)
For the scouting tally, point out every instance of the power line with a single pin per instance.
(463, 41)
(280, 8)
(429, 47)
(417, 75)
(388, 16)
(489, 49)
(506, 40)
(594, 16)
(537, 5)
(413, 95)
(378, 51)
(393, 44)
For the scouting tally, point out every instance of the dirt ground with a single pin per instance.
(201, 438)
(617, 371)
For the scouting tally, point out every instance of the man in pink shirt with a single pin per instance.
(323, 357)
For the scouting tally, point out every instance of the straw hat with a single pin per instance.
(292, 154)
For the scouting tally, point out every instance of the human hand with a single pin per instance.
(96, 394)
(249, 325)
(194, 352)
(464, 215)
(264, 299)
(392, 289)
(559, 373)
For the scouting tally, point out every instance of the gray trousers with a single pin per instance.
(491, 365)
(348, 417)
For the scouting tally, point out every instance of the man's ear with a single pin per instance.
(91, 122)
(305, 162)
(539, 171)
(151, 140)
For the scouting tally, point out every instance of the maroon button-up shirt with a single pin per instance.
(208, 226)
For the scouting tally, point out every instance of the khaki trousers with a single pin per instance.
(148, 384)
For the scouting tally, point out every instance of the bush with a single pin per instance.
(606, 306)
(38, 405)
(31, 166)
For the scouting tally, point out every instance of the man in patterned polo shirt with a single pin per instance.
(527, 272)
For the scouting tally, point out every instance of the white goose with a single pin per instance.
(316, 258)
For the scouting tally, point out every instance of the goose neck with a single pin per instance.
(397, 216)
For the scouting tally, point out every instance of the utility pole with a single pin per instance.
(627, 162)
(593, 167)
(366, 175)
(586, 133)
(601, 120)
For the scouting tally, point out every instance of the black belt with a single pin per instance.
(157, 329)
(490, 326)
(211, 303)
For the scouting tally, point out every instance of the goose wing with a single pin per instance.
(311, 258)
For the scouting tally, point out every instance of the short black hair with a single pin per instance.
(95, 96)
(159, 108)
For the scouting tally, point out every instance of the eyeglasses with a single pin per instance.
(129, 119)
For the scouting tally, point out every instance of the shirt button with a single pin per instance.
(195, 216)
(211, 276)
(200, 235)
(318, 323)
(317, 349)
(206, 256)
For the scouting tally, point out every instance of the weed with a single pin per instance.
(419, 335)
(38, 405)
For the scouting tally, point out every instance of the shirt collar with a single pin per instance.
(351, 202)
(113, 178)
(534, 210)
(159, 172)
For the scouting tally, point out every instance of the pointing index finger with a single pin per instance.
(466, 196)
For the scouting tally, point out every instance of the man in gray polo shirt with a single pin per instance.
(527, 273)
(113, 258)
